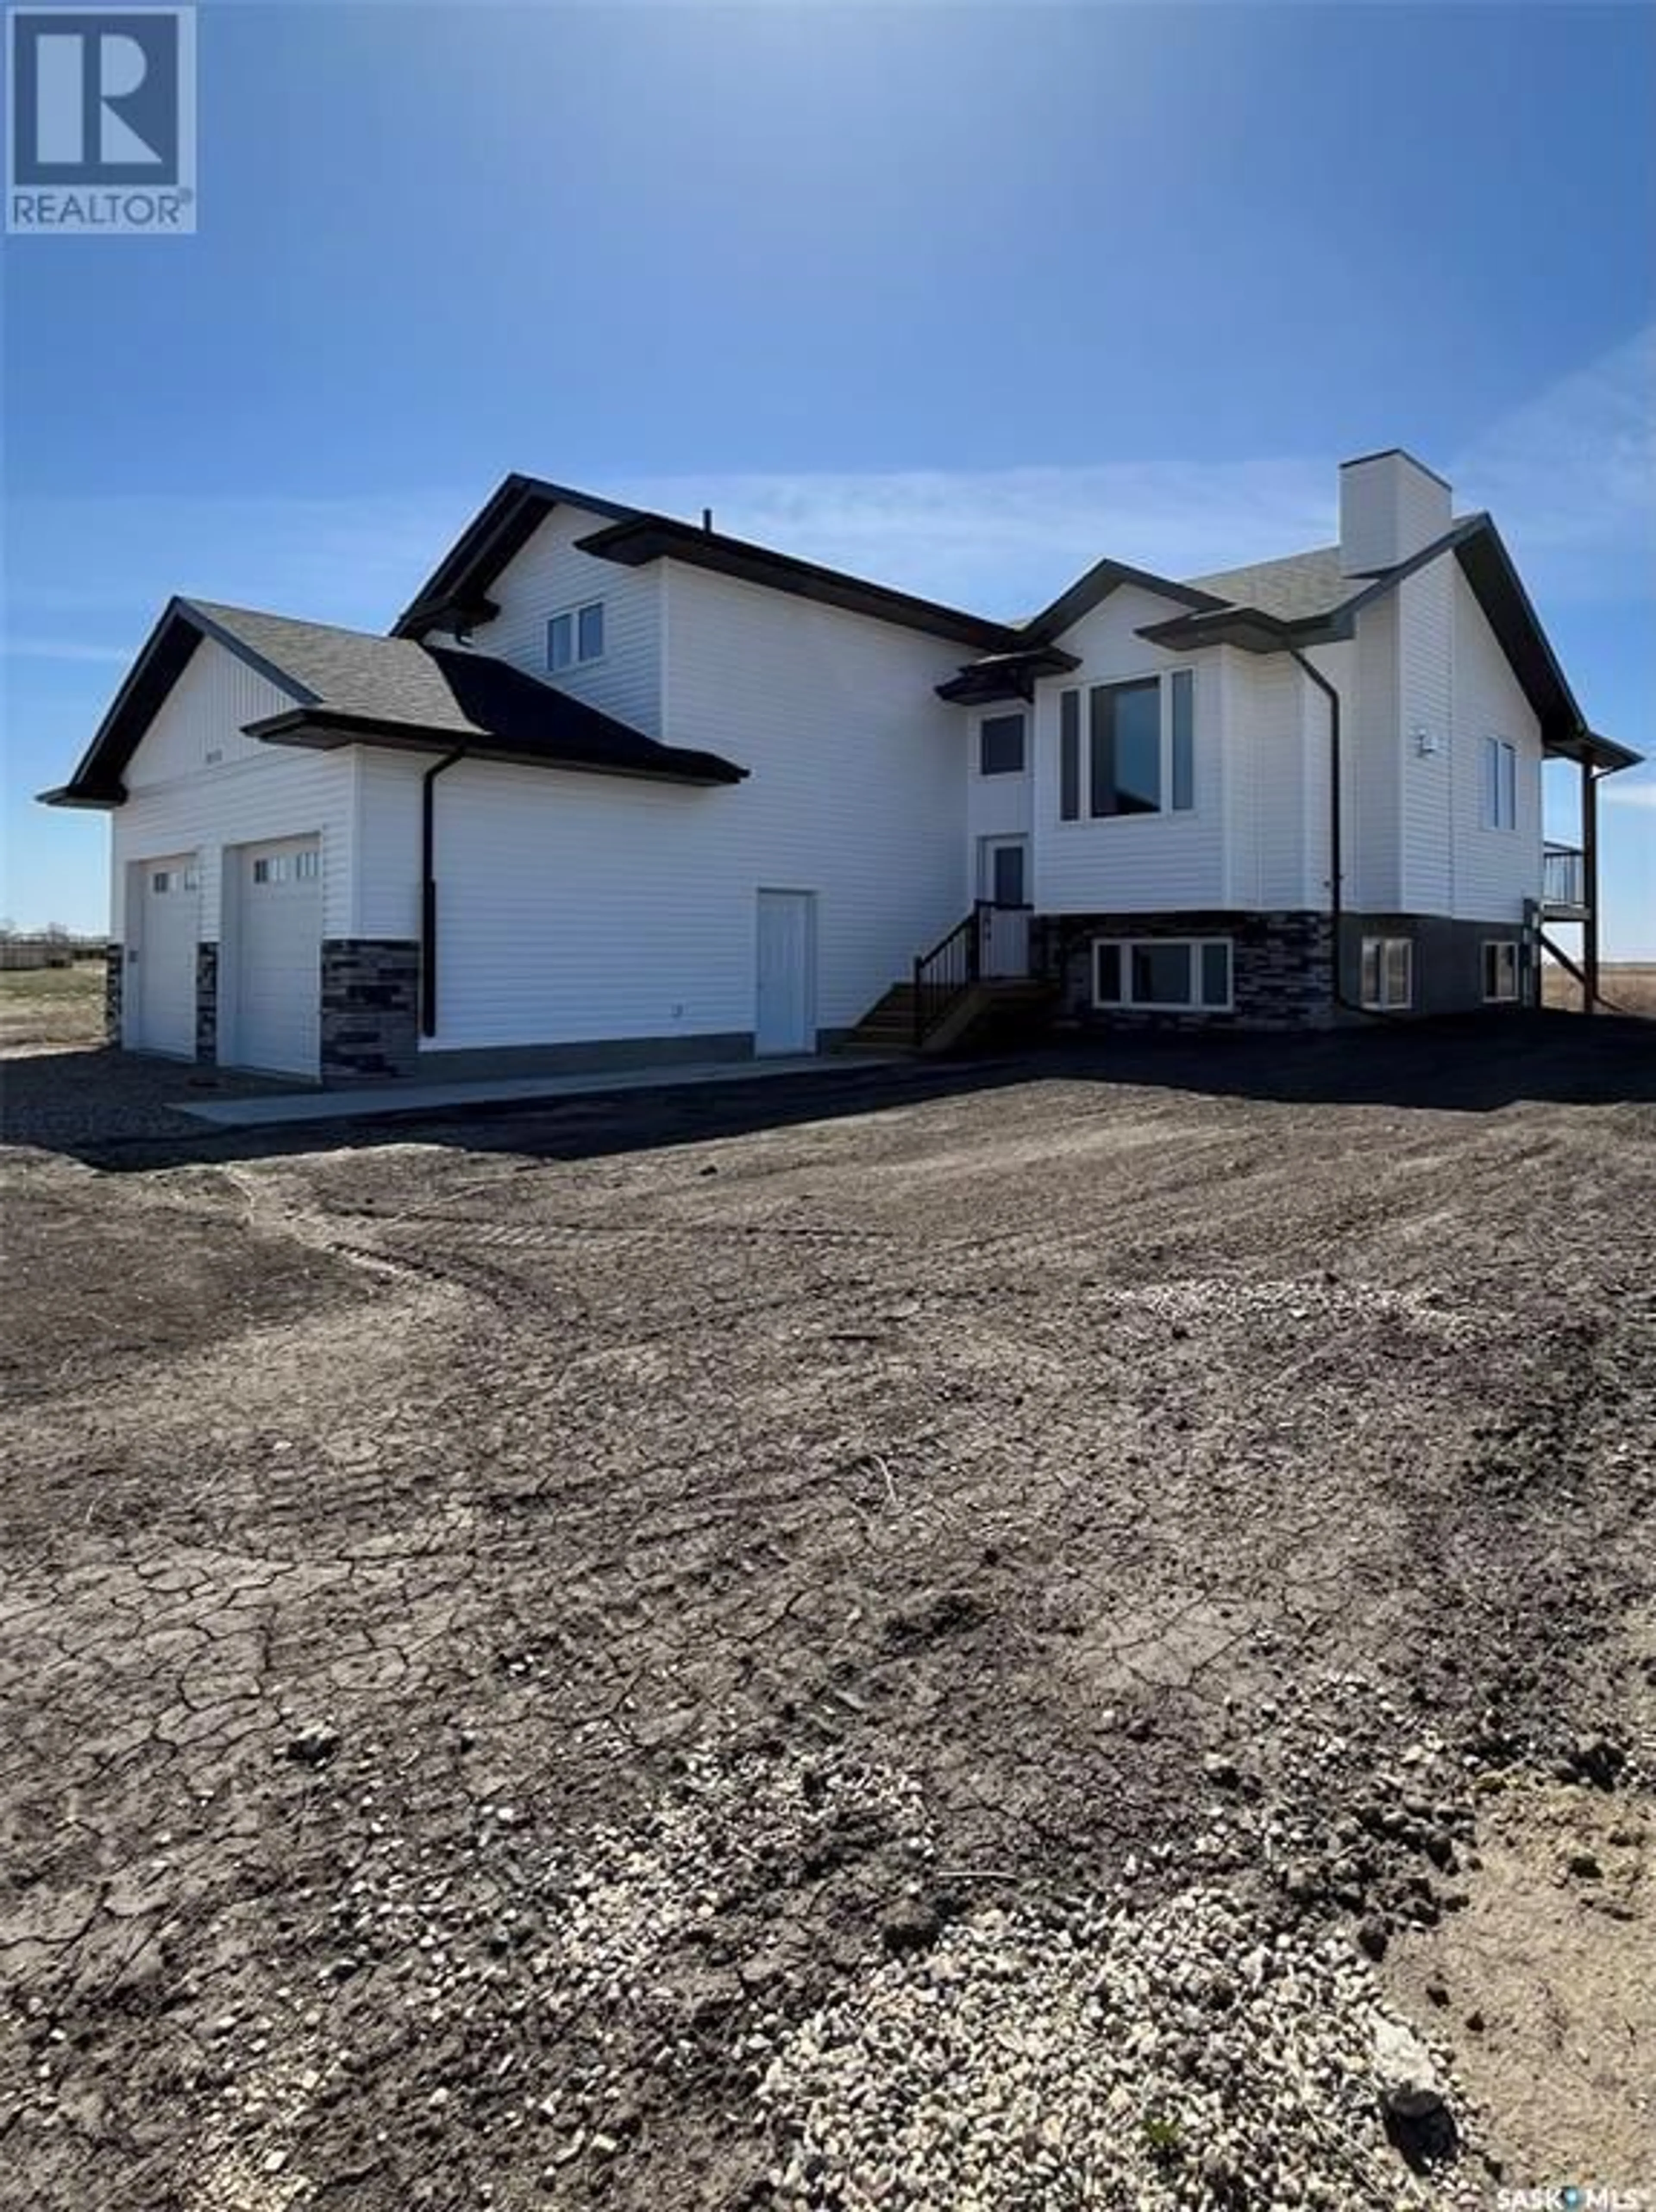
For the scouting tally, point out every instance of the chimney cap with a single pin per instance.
(1397, 453)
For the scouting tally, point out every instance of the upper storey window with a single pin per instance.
(1500, 784)
(1000, 745)
(1139, 751)
(575, 637)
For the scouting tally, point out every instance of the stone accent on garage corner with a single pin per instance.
(1282, 967)
(207, 1005)
(114, 983)
(370, 1008)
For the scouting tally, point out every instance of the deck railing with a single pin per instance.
(1563, 880)
(991, 943)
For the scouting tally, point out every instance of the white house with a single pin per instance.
(618, 789)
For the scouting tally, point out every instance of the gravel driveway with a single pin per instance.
(940, 1641)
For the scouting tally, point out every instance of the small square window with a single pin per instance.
(161, 881)
(1388, 973)
(575, 637)
(1000, 745)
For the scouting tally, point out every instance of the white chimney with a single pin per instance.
(1390, 506)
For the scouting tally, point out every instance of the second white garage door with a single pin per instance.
(278, 1001)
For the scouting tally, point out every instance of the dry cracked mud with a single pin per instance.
(937, 1639)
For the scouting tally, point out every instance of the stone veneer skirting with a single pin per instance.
(114, 985)
(1282, 967)
(370, 1008)
(207, 1005)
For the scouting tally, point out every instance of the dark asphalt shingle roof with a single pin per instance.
(1301, 586)
(445, 691)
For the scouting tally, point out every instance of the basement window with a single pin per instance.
(575, 637)
(1499, 971)
(1164, 975)
(1388, 973)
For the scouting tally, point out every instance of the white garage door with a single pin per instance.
(160, 981)
(278, 1005)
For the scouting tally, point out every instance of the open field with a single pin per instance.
(51, 1005)
(936, 1639)
(1628, 985)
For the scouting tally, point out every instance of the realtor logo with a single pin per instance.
(102, 117)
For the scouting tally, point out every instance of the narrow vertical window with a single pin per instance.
(1182, 685)
(561, 642)
(589, 632)
(1069, 756)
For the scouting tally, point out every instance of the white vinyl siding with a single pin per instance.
(583, 908)
(1496, 870)
(1133, 863)
(178, 801)
(549, 577)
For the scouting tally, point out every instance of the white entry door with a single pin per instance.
(785, 1018)
(161, 980)
(277, 1021)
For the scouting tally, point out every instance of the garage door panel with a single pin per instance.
(279, 958)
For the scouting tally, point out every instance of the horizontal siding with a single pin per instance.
(1496, 870)
(1140, 863)
(549, 576)
(583, 908)
(1426, 618)
(206, 714)
(179, 803)
(1371, 758)
(1265, 744)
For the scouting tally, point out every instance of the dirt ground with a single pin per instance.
(503, 1622)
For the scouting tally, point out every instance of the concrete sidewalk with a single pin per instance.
(424, 1099)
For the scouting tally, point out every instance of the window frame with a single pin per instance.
(1176, 747)
(572, 615)
(1383, 1002)
(1500, 783)
(1124, 947)
(1509, 948)
(1018, 714)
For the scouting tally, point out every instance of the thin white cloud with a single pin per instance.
(1570, 475)
(1619, 793)
(58, 648)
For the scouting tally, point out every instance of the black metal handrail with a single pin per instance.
(1564, 877)
(953, 965)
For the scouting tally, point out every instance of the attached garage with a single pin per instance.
(165, 898)
(274, 1009)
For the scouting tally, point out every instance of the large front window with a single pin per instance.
(1139, 751)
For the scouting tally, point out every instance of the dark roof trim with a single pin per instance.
(162, 658)
(1488, 567)
(1090, 590)
(1006, 675)
(325, 729)
(645, 537)
(1399, 454)
(455, 594)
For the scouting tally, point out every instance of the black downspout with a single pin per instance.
(1336, 864)
(428, 891)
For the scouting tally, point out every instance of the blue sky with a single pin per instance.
(959, 297)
